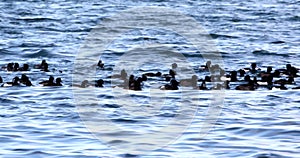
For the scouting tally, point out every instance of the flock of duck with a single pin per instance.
(24, 80)
(251, 78)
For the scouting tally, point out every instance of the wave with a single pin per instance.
(38, 54)
(265, 52)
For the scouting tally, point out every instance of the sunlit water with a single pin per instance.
(44, 121)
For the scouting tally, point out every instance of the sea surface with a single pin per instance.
(74, 122)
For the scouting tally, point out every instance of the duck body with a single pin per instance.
(172, 86)
(245, 87)
(15, 82)
(203, 86)
(49, 82)
(150, 74)
(40, 66)
(99, 83)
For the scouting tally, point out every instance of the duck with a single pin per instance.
(174, 66)
(289, 70)
(131, 81)
(250, 86)
(10, 67)
(25, 80)
(207, 66)
(45, 68)
(99, 83)
(203, 86)
(24, 68)
(265, 81)
(266, 74)
(170, 75)
(226, 85)
(216, 68)
(232, 77)
(16, 67)
(84, 84)
(49, 82)
(122, 75)
(284, 81)
(247, 78)
(40, 66)
(245, 87)
(15, 82)
(207, 79)
(137, 84)
(276, 73)
(253, 68)
(172, 86)
(150, 74)
(242, 72)
(100, 64)
(189, 82)
(1, 80)
(58, 82)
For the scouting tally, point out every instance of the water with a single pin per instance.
(44, 121)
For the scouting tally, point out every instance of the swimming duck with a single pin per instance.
(100, 64)
(171, 74)
(144, 78)
(232, 77)
(174, 66)
(45, 68)
(84, 84)
(131, 81)
(266, 74)
(172, 86)
(226, 85)
(251, 85)
(252, 69)
(245, 87)
(24, 68)
(207, 66)
(276, 73)
(16, 67)
(49, 82)
(99, 83)
(15, 82)
(150, 74)
(58, 82)
(10, 67)
(242, 72)
(122, 75)
(189, 82)
(289, 70)
(25, 80)
(137, 84)
(207, 79)
(284, 81)
(215, 68)
(40, 66)
(203, 86)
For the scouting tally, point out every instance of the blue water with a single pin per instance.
(47, 122)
